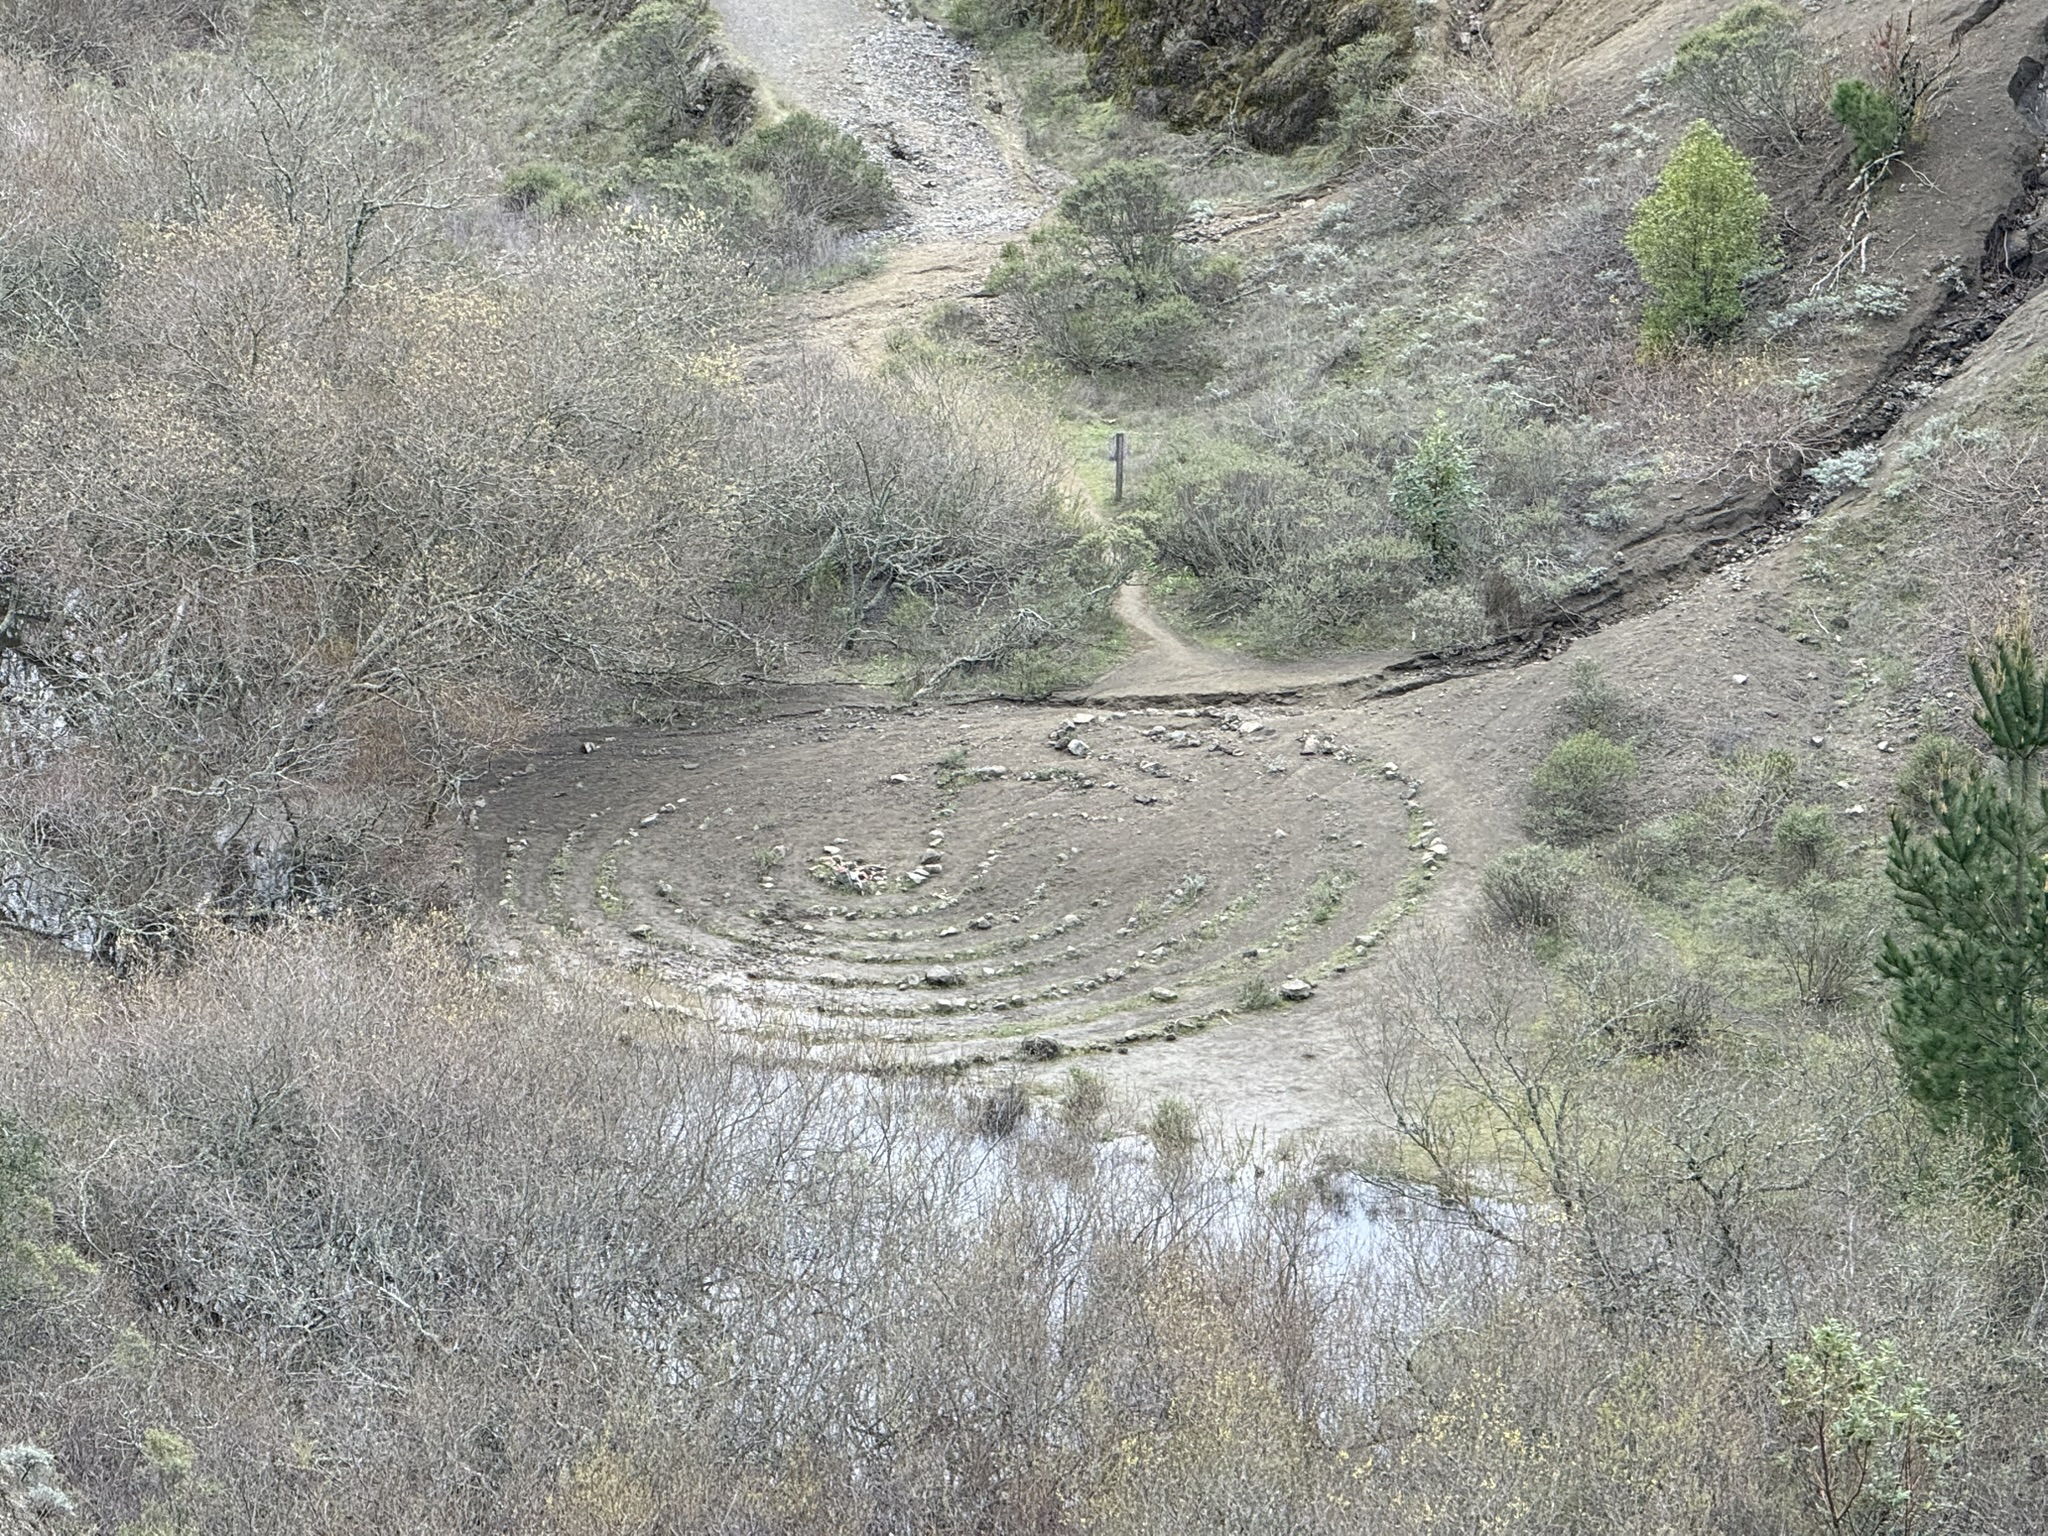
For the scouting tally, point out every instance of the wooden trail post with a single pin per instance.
(1116, 454)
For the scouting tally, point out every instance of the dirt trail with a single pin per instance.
(1165, 668)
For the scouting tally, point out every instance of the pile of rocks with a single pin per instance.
(842, 872)
(1066, 735)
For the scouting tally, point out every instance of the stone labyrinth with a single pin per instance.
(978, 883)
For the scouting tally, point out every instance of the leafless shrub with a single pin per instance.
(115, 37)
(1719, 419)
(317, 1159)
(316, 526)
(915, 515)
(1569, 317)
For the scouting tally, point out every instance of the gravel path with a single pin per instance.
(908, 91)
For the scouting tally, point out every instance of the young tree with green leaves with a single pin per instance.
(1970, 1016)
(1436, 494)
(1872, 1451)
(1697, 239)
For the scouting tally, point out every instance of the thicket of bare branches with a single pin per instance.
(320, 485)
(389, 1246)
(326, 1231)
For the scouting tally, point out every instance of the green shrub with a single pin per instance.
(1807, 839)
(1697, 239)
(1258, 995)
(1874, 118)
(1172, 1128)
(1532, 890)
(986, 21)
(1362, 80)
(22, 1169)
(1083, 1101)
(1592, 703)
(820, 172)
(1129, 211)
(548, 190)
(1108, 285)
(666, 78)
(1436, 495)
(1753, 73)
(693, 177)
(1657, 859)
(1869, 1448)
(1265, 74)
(1581, 790)
(1445, 618)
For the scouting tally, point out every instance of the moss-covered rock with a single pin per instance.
(1261, 69)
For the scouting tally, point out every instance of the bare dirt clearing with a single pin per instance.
(1020, 893)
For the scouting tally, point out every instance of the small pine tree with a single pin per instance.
(1436, 493)
(1970, 1017)
(1697, 239)
(1876, 123)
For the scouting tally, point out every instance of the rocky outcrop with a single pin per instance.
(1265, 70)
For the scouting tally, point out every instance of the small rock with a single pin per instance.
(982, 924)
(944, 976)
(663, 889)
(899, 778)
(1311, 745)
(648, 821)
(1440, 849)
(1040, 1048)
(932, 860)
(1884, 746)
(1163, 995)
(1295, 990)
(1741, 679)
(640, 931)
(1077, 748)
(1855, 810)
(1818, 741)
